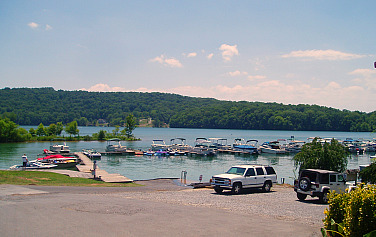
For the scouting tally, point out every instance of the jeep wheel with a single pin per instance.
(301, 196)
(304, 184)
(237, 188)
(324, 197)
(267, 187)
(218, 190)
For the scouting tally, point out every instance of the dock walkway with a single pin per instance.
(86, 166)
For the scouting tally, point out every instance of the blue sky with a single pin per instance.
(290, 52)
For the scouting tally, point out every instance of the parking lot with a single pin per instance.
(159, 209)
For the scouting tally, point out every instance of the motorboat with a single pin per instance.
(92, 154)
(220, 143)
(58, 148)
(294, 146)
(60, 161)
(114, 145)
(203, 147)
(250, 146)
(33, 166)
(159, 144)
(179, 144)
(273, 147)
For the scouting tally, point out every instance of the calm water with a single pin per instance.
(145, 167)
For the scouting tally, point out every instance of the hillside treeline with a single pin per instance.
(32, 106)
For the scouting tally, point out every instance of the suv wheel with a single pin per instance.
(304, 184)
(237, 188)
(301, 196)
(267, 186)
(324, 197)
(218, 190)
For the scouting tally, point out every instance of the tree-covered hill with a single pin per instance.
(32, 106)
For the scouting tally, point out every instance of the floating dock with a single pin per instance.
(86, 166)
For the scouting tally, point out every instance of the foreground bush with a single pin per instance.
(351, 214)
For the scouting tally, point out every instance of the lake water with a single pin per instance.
(145, 167)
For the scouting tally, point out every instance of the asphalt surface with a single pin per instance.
(159, 208)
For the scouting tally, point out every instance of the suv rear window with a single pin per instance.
(309, 174)
(259, 171)
(269, 170)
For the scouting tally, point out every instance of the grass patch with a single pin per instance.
(52, 179)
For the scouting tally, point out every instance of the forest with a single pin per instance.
(32, 106)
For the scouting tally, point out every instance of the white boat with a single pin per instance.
(203, 147)
(294, 146)
(92, 154)
(59, 148)
(220, 143)
(272, 147)
(248, 147)
(33, 165)
(175, 145)
(114, 145)
(159, 145)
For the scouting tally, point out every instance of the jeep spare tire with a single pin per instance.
(304, 184)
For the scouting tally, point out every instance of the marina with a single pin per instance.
(143, 167)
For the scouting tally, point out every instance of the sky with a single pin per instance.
(290, 52)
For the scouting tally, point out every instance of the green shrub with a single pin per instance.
(352, 214)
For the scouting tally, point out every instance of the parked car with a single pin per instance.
(318, 183)
(245, 176)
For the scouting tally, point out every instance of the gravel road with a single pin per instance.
(159, 208)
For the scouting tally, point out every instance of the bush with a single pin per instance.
(352, 214)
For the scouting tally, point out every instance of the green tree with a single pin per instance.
(41, 131)
(51, 130)
(116, 130)
(101, 135)
(72, 129)
(32, 132)
(59, 128)
(327, 156)
(130, 125)
(8, 130)
(368, 174)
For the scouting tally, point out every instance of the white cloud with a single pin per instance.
(322, 55)
(192, 55)
(170, 62)
(48, 27)
(228, 51)
(256, 77)
(210, 56)
(365, 77)
(104, 88)
(237, 73)
(33, 25)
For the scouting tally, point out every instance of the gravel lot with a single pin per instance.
(159, 208)
(280, 203)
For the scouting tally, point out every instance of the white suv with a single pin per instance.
(318, 183)
(245, 176)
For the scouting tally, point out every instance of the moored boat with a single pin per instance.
(114, 145)
(33, 166)
(58, 148)
(60, 161)
(159, 144)
(203, 147)
(272, 147)
(247, 147)
(219, 143)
